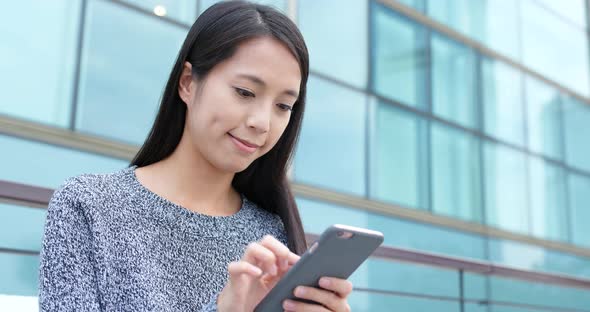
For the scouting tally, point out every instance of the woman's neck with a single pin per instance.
(187, 179)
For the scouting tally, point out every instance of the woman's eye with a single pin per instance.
(244, 93)
(285, 107)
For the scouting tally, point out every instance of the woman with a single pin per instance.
(203, 219)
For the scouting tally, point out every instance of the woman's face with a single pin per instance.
(241, 109)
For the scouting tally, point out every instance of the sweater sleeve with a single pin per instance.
(211, 306)
(66, 273)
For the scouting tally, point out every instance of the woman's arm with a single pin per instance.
(66, 274)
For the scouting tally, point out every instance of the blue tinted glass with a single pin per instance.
(546, 295)
(572, 10)
(579, 198)
(21, 227)
(576, 121)
(397, 57)
(456, 185)
(184, 11)
(453, 81)
(37, 59)
(491, 22)
(548, 200)
(554, 48)
(278, 4)
(331, 150)
(535, 258)
(382, 274)
(398, 154)
(23, 164)
(347, 33)
(317, 216)
(369, 302)
(544, 118)
(503, 105)
(506, 201)
(19, 274)
(126, 61)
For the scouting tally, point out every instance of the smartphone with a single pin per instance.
(339, 251)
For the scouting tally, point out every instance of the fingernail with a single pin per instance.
(299, 291)
(273, 270)
(289, 305)
(324, 282)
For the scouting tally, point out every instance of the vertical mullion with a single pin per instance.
(74, 101)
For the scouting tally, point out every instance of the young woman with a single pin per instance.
(203, 219)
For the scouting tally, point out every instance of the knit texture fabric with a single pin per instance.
(110, 244)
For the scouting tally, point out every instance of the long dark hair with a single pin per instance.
(212, 39)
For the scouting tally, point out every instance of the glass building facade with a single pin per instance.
(471, 116)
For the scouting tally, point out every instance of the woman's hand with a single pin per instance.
(263, 264)
(331, 296)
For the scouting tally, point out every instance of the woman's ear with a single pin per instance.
(186, 84)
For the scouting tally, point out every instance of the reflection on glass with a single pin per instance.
(576, 121)
(184, 11)
(544, 118)
(398, 154)
(502, 102)
(126, 61)
(548, 202)
(397, 57)
(336, 45)
(455, 174)
(554, 48)
(38, 56)
(505, 183)
(453, 81)
(331, 150)
(579, 198)
(491, 22)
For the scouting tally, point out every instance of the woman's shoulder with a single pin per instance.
(90, 185)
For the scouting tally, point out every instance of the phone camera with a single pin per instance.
(344, 235)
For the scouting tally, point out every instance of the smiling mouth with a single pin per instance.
(243, 145)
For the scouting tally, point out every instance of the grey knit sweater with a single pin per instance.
(110, 244)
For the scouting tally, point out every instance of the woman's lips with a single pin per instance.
(244, 146)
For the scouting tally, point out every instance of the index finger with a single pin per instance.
(281, 251)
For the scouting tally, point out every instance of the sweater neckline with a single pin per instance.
(183, 211)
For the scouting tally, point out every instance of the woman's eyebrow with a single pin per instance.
(261, 83)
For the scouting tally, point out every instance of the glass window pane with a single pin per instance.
(544, 118)
(554, 48)
(278, 4)
(572, 10)
(23, 164)
(347, 33)
(541, 294)
(38, 53)
(19, 274)
(126, 61)
(455, 169)
(547, 197)
(21, 227)
(361, 301)
(576, 120)
(502, 102)
(492, 22)
(426, 237)
(397, 57)
(331, 150)
(453, 81)
(184, 11)
(398, 156)
(579, 198)
(505, 188)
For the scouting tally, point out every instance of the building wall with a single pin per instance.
(477, 111)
